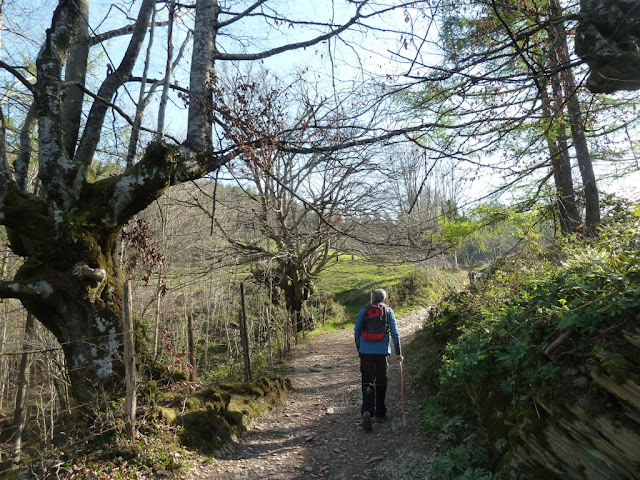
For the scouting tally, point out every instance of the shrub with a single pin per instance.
(486, 359)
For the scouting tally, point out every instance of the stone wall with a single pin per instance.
(590, 428)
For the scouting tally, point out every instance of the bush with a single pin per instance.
(485, 348)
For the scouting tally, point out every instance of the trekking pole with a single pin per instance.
(404, 418)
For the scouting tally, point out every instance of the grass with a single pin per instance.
(351, 280)
(329, 326)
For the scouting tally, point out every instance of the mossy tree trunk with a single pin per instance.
(296, 286)
(67, 231)
(71, 280)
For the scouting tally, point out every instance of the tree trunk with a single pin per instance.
(561, 166)
(269, 342)
(70, 279)
(129, 363)
(75, 75)
(4, 374)
(73, 286)
(192, 347)
(4, 321)
(244, 336)
(591, 194)
(296, 293)
(576, 122)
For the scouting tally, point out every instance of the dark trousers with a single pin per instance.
(374, 383)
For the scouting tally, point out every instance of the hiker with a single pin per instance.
(375, 327)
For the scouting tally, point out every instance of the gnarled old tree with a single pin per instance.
(608, 39)
(291, 215)
(66, 225)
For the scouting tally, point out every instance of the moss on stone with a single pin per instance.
(205, 431)
(214, 395)
(170, 398)
(215, 415)
(193, 403)
(616, 364)
(164, 414)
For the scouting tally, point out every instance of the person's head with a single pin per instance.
(379, 295)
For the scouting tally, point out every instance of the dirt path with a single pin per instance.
(317, 432)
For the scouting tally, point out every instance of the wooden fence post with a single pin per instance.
(244, 336)
(20, 412)
(129, 362)
(268, 320)
(192, 348)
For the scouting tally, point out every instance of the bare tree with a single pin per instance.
(67, 231)
(291, 212)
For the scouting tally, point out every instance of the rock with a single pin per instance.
(590, 433)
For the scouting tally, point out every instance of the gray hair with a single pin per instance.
(378, 295)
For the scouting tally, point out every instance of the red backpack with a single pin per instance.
(374, 322)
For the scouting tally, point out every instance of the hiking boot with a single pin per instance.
(381, 419)
(366, 421)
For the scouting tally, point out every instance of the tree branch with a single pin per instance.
(122, 113)
(35, 290)
(558, 341)
(56, 172)
(241, 15)
(294, 46)
(95, 120)
(14, 71)
(103, 37)
(23, 159)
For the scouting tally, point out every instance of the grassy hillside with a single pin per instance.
(350, 281)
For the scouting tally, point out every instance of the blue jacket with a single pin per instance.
(381, 347)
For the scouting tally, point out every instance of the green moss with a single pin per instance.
(244, 404)
(193, 403)
(28, 225)
(240, 388)
(215, 415)
(165, 415)
(205, 431)
(617, 365)
(235, 418)
(214, 395)
(149, 392)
